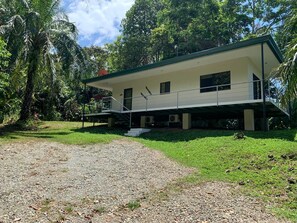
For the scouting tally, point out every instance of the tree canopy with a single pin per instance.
(155, 30)
(43, 63)
(41, 40)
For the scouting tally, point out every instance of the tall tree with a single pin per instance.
(137, 27)
(287, 71)
(197, 25)
(234, 23)
(43, 37)
(266, 15)
(97, 57)
(116, 57)
(4, 79)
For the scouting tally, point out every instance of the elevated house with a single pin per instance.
(226, 82)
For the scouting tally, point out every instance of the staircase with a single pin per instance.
(123, 118)
(136, 132)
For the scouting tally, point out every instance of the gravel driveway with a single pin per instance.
(50, 182)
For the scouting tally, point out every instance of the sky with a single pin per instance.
(98, 21)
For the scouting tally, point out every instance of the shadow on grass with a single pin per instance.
(44, 135)
(102, 130)
(168, 135)
(286, 134)
(6, 129)
(14, 132)
(177, 135)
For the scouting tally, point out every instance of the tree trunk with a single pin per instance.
(31, 73)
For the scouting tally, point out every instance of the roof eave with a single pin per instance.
(263, 39)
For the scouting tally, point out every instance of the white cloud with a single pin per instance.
(97, 20)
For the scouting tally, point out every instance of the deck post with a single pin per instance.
(249, 120)
(142, 121)
(111, 122)
(187, 121)
(217, 88)
(84, 105)
(130, 121)
(265, 124)
(290, 112)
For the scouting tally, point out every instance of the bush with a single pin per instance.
(30, 124)
(239, 135)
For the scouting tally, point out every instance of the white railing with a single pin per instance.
(200, 97)
(214, 95)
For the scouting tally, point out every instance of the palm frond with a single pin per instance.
(71, 54)
(24, 4)
(15, 24)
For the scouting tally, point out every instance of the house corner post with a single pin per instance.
(84, 105)
(265, 123)
(187, 121)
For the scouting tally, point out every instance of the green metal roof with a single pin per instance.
(263, 39)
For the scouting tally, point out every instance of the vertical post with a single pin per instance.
(249, 119)
(146, 104)
(263, 89)
(177, 99)
(142, 121)
(84, 105)
(217, 95)
(290, 111)
(130, 124)
(187, 120)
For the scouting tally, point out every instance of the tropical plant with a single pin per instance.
(287, 71)
(4, 79)
(41, 38)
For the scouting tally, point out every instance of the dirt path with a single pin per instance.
(52, 182)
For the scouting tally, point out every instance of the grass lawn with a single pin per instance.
(264, 163)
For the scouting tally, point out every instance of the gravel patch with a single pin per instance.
(51, 182)
(47, 181)
(214, 202)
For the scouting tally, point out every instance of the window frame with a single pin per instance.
(214, 86)
(165, 87)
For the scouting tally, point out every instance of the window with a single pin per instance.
(211, 82)
(257, 87)
(165, 87)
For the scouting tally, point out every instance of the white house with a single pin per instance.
(224, 82)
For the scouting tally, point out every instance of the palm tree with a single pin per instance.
(39, 36)
(287, 71)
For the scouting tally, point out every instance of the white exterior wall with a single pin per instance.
(241, 73)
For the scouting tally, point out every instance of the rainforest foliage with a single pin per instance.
(42, 64)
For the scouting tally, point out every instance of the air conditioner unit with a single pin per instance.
(149, 119)
(174, 118)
